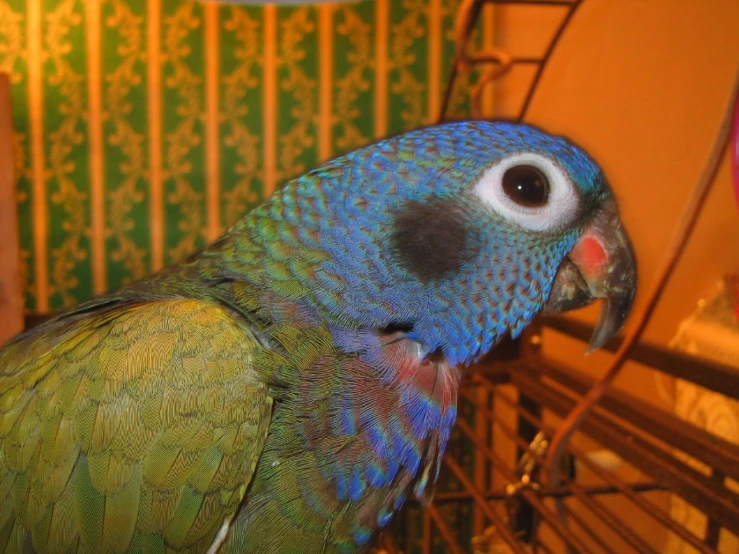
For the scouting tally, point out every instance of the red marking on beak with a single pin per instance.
(590, 256)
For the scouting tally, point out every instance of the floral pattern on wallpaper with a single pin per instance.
(144, 128)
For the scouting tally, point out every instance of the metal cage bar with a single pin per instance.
(629, 491)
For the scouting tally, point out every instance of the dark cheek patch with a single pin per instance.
(432, 240)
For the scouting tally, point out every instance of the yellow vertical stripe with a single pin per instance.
(38, 169)
(325, 67)
(434, 69)
(212, 119)
(95, 133)
(382, 17)
(488, 38)
(154, 104)
(270, 97)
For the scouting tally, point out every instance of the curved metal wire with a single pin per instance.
(547, 55)
(501, 61)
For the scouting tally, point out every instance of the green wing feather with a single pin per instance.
(132, 429)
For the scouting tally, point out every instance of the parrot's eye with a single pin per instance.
(526, 185)
(530, 190)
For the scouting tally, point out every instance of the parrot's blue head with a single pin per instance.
(455, 234)
(376, 273)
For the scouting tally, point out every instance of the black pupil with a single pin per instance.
(526, 186)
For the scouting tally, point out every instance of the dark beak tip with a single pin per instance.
(613, 316)
(596, 343)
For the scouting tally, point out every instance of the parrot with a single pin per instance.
(289, 386)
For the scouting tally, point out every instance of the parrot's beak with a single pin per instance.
(601, 265)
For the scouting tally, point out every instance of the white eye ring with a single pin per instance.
(557, 212)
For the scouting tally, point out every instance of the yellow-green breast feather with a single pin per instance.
(135, 430)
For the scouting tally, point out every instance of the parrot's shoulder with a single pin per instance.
(171, 330)
(129, 422)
